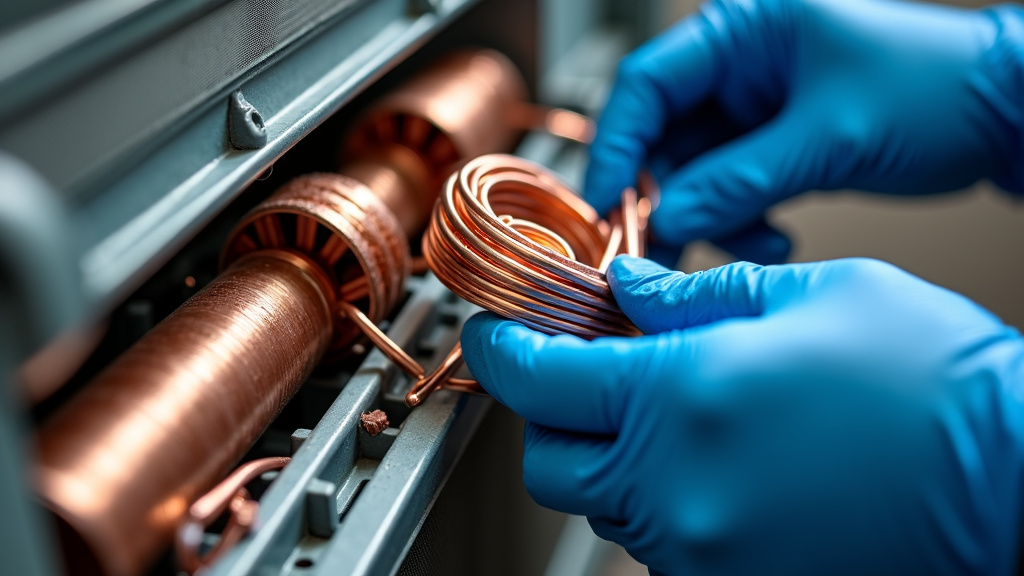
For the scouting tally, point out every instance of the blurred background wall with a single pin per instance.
(971, 242)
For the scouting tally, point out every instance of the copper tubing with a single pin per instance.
(555, 121)
(444, 373)
(390, 349)
(122, 461)
(230, 495)
(510, 237)
(401, 179)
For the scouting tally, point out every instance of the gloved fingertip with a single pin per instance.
(477, 336)
(645, 291)
(627, 270)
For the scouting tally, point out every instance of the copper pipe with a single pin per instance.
(122, 461)
(386, 345)
(230, 495)
(425, 385)
(555, 121)
(401, 179)
(630, 214)
(466, 105)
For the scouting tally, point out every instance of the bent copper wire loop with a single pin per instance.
(508, 236)
(230, 495)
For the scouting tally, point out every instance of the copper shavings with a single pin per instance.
(374, 422)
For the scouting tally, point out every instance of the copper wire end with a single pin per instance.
(631, 223)
(508, 236)
(449, 366)
(230, 495)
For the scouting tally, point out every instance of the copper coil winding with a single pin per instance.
(510, 237)
(122, 462)
(342, 226)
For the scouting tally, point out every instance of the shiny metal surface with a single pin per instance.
(398, 486)
(509, 236)
(231, 496)
(122, 462)
(464, 106)
(344, 228)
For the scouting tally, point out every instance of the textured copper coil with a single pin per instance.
(509, 236)
(342, 226)
(123, 460)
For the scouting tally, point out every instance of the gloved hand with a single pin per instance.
(754, 101)
(832, 418)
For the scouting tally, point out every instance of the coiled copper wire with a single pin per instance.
(346, 229)
(510, 237)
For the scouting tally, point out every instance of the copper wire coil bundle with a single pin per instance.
(509, 236)
(346, 229)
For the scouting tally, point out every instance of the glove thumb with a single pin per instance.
(730, 187)
(657, 299)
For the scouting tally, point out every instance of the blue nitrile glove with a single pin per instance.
(831, 418)
(751, 102)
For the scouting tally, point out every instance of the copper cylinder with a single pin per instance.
(122, 461)
(460, 108)
(401, 179)
(342, 226)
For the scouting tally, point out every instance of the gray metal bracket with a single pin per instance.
(349, 503)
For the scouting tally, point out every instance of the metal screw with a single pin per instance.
(245, 124)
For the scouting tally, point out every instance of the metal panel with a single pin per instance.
(90, 127)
